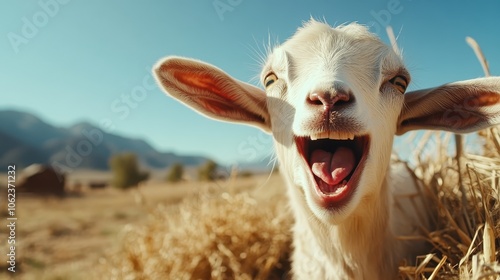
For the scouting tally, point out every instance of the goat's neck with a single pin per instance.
(360, 248)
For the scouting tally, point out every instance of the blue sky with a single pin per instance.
(72, 60)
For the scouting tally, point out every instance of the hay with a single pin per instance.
(216, 236)
(234, 236)
(465, 203)
(467, 225)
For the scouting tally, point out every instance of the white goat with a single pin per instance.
(333, 101)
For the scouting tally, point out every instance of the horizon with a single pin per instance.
(87, 125)
(68, 62)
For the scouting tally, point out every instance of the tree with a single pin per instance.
(175, 173)
(208, 171)
(126, 173)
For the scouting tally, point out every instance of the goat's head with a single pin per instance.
(334, 99)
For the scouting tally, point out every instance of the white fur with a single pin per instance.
(352, 243)
(359, 240)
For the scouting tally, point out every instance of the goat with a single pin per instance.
(334, 98)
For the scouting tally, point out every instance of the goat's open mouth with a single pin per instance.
(335, 163)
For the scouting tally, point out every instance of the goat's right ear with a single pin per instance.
(212, 92)
(459, 107)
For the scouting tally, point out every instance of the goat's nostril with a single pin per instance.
(328, 99)
(342, 98)
(317, 99)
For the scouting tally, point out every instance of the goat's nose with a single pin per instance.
(329, 98)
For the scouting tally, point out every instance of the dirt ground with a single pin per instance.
(65, 238)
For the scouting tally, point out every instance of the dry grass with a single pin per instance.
(241, 229)
(215, 235)
(64, 238)
(465, 202)
(242, 236)
(466, 209)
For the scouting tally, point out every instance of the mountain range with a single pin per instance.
(26, 139)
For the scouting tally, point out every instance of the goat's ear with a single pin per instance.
(459, 107)
(212, 92)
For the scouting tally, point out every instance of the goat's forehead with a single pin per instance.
(320, 37)
(348, 48)
(319, 45)
(313, 29)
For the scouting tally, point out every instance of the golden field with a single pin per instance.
(71, 238)
(240, 228)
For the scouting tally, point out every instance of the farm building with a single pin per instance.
(41, 180)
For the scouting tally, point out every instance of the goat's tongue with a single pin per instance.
(334, 167)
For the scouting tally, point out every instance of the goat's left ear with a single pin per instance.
(213, 93)
(459, 107)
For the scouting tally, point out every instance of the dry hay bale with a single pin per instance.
(466, 209)
(219, 236)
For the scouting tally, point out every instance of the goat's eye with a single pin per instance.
(270, 79)
(400, 82)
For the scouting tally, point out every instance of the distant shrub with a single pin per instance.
(175, 173)
(126, 173)
(245, 174)
(208, 171)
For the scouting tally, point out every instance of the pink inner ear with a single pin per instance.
(213, 93)
(216, 106)
(202, 81)
(439, 121)
(484, 99)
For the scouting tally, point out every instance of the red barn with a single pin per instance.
(41, 180)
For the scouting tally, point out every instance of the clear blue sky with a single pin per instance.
(72, 60)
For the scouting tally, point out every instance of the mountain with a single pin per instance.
(26, 139)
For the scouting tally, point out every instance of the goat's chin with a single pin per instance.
(332, 216)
